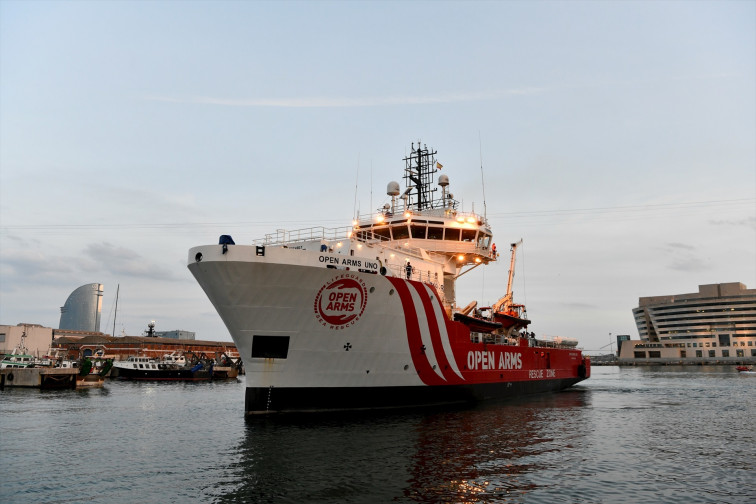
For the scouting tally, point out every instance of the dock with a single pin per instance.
(38, 377)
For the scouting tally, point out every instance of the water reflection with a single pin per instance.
(490, 453)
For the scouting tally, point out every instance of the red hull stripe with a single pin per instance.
(418, 351)
(438, 334)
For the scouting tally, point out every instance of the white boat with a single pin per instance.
(18, 358)
(366, 316)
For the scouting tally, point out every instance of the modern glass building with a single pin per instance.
(82, 309)
(716, 323)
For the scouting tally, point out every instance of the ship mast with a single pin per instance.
(420, 166)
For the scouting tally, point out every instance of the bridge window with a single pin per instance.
(400, 232)
(418, 231)
(468, 235)
(452, 234)
(382, 232)
(484, 240)
(435, 233)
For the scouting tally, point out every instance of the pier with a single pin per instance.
(38, 377)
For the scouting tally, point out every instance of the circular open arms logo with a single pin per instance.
(340, 303)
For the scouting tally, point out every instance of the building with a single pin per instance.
(34, 338)
(716, 325)
(81, 312)
(175, 334)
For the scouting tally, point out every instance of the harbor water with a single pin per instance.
(626, 435)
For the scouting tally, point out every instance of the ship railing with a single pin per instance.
(285, 237)
(385, 216)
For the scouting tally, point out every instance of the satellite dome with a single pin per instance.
(443, 180)
(393, 188)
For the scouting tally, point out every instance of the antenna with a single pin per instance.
(480, 142)
(356, 183)
(371, 186)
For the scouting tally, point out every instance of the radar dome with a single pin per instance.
(443, 180)
(393, 188)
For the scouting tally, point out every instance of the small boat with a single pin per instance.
(18, 358)
(169, 369)
(745, 370)
(92, 374)
(225, 368)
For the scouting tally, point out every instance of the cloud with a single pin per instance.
(683, 246)
(342, 102)
(689, 264)
(123, 261)
(747, 222)
(33, 265)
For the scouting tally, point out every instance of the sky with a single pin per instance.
(616, 139)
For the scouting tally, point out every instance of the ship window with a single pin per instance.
(468, 235)
(418, 231)
(382, 232)
(435, 233)
(2, 337)
(452, 234)
(484, 240)
(400, 232)
(270, 347)
(640, 355)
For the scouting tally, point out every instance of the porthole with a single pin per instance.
(372, 289)
(198, 257)
(391, 292)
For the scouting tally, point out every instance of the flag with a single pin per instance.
(439, 165)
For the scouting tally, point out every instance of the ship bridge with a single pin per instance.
(418, 219)
(464, 238)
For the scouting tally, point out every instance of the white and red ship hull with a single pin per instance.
(320, 331)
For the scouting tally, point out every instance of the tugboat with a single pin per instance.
(366, 316)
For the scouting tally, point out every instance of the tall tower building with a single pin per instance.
(82, 309)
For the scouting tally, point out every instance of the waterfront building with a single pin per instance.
(715, 325)
(32, 338)
(81, 312)
(175, 334)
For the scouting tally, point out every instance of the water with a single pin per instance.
(642, 435)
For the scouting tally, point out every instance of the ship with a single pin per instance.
(366, 317)
(171, 367)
